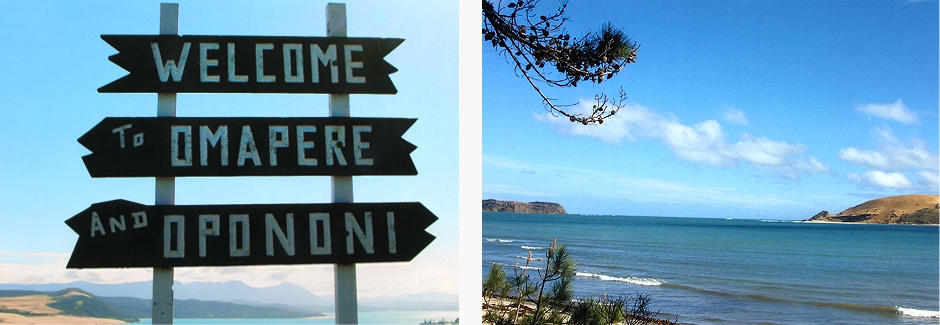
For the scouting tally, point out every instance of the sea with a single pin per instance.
(377, 317)
(736, 271)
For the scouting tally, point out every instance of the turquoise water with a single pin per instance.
(379, 317)
(721, 271)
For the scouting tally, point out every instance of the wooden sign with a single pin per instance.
(177, 147)
(121, 233)
(251, 64)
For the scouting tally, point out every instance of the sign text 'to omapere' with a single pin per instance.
(251, 64)
(248, 146)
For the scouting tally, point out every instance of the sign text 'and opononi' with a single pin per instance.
(126, 234)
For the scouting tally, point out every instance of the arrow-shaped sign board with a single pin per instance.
(179, 147)
(251, 64)
(121, 233)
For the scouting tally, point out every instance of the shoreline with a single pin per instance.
(863, 223)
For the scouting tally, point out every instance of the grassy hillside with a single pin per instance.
(73, 302)
(901, 209)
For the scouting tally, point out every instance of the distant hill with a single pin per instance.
(190, 308)
(76, 302)
(72, 302)
(901, 209)
(231, 291)
(284, 296)
(491, 205)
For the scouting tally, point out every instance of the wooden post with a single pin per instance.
(165, 187)
(345, 296)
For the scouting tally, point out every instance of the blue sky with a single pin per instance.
(55, 61)
(744, 109)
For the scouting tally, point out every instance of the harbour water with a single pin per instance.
(747, 271)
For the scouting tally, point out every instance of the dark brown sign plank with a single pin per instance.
(251, 64)
(121, 233)
(219, 146)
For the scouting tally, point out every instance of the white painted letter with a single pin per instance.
(247, 148)
(302, 145)
(352, 227)
(114, 223)
(328, 59)
(274, 143)
(271, 227)
(333, 145)
(288, 67)
(140, 219)
(96, 224)
(315, 248)
(170, 67)
(207, 231)
(205, 62)
(208, 138)
(187, 132)
(259, 62)
(358, 145)
(232, 77)
(233, 249)
(120, 131)
(392, 242)
(350, 64)
(180, 250)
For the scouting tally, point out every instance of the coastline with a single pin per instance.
(862, 223)
(56, 319)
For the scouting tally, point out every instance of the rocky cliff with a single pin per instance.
(901, 209)
(522, 207)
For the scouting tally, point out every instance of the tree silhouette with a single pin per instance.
(543, 51)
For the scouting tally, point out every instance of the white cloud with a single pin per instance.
(581, 182)
(888, 165)
(733, 115)
(879, 178)
(929, 180)
(864, 157)
(704, 143)
(896, 111)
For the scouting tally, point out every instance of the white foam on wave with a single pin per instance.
(499, 240)
(537, 259)
(919, 312)
(531, 247)
(650, 282)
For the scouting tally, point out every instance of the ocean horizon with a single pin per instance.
(736, 271)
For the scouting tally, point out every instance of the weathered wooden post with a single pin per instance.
(346, 302)
(165, 187)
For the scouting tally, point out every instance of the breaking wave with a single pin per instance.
(531, 247)
(918, 312)
(499, 240)
(651, 282)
